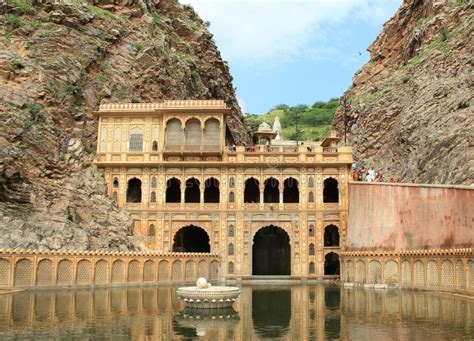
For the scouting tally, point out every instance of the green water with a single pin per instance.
(303, 312)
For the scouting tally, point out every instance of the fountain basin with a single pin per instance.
(208, 297)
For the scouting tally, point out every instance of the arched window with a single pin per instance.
(231, 197)
(310, 197)
(311, 249)
(231, 182)
(115, 196)
(174, 134)
(135, 142)
(331, 264)
(173, 190)
(230, 249)
(193, 134)
(153, 197)
(311, 268)
(311, 182)
(154, 146)
(291, 193)
(153, 182)
(212, 132)
(151, 230)
(231, 231)
(331, 190)
(230, 268)
(134, 190)
(311, 230)
(331, 236)
(116, 183)
(211, 191)
(192, 193)
(252, 191)
(271, 193)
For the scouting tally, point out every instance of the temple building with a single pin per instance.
(267, 209)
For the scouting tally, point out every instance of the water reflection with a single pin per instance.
(313, 312)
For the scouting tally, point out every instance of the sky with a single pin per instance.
(293, 51)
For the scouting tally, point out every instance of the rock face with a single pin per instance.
(409, 109)
(58, 61)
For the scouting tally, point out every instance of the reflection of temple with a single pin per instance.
(306, 312)
(173, 166)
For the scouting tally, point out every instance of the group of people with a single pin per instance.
(362, 173)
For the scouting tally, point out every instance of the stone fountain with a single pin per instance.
(205, 296)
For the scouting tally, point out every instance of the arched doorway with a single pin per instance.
(252, 191)
(191, 239)
(331, 236)
(291, 194)
(134, 190)
(271, 252)
(330, 191)
(211, 190)
(271, 194)
(331, 264)
(192, 193)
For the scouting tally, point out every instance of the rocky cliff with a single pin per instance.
(58, 61)
(409, 109)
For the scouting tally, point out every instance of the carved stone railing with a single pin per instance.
(34, 269)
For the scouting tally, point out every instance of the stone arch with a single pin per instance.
(271, 192)
(133, 274)
(252, 191)
(192, 133)
(192, 192)
(460, 277)
(101, 272)
(291, 193)
(154, 146)
(149, 271)
(271, 243)
(331, 264)
(191, 239)
(406, 273)
(447, 274)
(230, 268)
(391, 272)
(331, 236)
(212, 132)
(374, 274)
(311, 249)
(23, 273)
(350, 271)
(64, 272)
(211, 190)
(190, 271)
(203, 269)
(312, 268)
(44, 272)
(173, 134)
(118, 271)
(432, 274)
(214, 271)
(311, 230)
(163, 271)
(134, 190)
(330, 191)
(177, 271)
(360, 271)
(83, 272)
(419, 274)
(4, 272)
(173, 190)
(470, 275)
(115, 183)
(135, 140)
(230, 249)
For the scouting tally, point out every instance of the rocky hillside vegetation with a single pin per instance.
(409, 111)
(58, 61)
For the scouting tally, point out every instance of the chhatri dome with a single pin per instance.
(264, 127)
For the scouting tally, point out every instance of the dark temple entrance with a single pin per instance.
(271, 252)
(191, 239)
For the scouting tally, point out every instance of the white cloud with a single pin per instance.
(264, 32)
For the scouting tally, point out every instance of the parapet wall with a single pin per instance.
(395, 217)
(42, 269)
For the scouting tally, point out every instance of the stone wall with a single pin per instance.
(445, 270)
(395, 217)
(36, 269)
